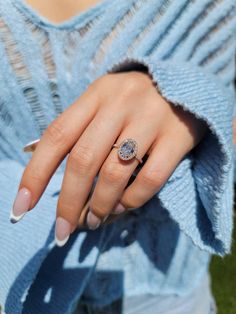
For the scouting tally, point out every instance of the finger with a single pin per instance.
(115, 173)
(84, 162)
(113, 217)
(55, 143)
(164, 158)
(82, 222)
(83, 216)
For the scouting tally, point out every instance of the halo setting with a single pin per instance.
(128, 149)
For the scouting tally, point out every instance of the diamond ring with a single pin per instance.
(128, 149)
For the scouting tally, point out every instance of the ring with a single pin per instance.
(128, 149)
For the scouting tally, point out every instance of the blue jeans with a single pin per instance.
(201, 301)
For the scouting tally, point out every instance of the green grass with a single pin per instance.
(223, 271)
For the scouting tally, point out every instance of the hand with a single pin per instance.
(114, 107)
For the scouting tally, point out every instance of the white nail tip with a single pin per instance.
(61, 242)
(14, 218)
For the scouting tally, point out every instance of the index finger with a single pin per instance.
(55, 143)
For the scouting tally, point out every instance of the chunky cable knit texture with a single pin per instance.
(188, 49)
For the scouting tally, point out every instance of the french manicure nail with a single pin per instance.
(93, 221)
(21, 205)
(62, 231)
(119, 209)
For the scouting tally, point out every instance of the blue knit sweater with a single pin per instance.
(188, 49)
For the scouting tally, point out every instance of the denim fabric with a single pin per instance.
(200, 301)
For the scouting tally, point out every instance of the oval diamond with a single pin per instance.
(128, 149)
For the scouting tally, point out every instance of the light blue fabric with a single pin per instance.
(164, 247)
(200, 301)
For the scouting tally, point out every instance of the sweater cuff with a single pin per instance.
(199, 194)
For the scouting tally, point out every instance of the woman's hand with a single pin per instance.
(114, 107)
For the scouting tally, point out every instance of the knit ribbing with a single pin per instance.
(184, 85)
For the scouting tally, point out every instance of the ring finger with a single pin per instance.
(115, 173)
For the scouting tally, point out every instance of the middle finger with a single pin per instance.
(82, 165)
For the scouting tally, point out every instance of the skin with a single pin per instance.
(114, 107)
(58, 11)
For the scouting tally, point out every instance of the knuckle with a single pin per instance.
(112, 173)
(34, 174)
(81, 159)
(100, 80)
(98, 84)
(153, 180)
(63, 206)
(133, 84)
(103, 79)
(65, 209)
(55, 133)
(101, 87)
(93, 88)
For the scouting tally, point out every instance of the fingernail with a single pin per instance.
(21, 205)
(93, 221)
(119, 209)
(62, 231)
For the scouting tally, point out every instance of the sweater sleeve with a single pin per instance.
(203, 207)
(199, 194)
